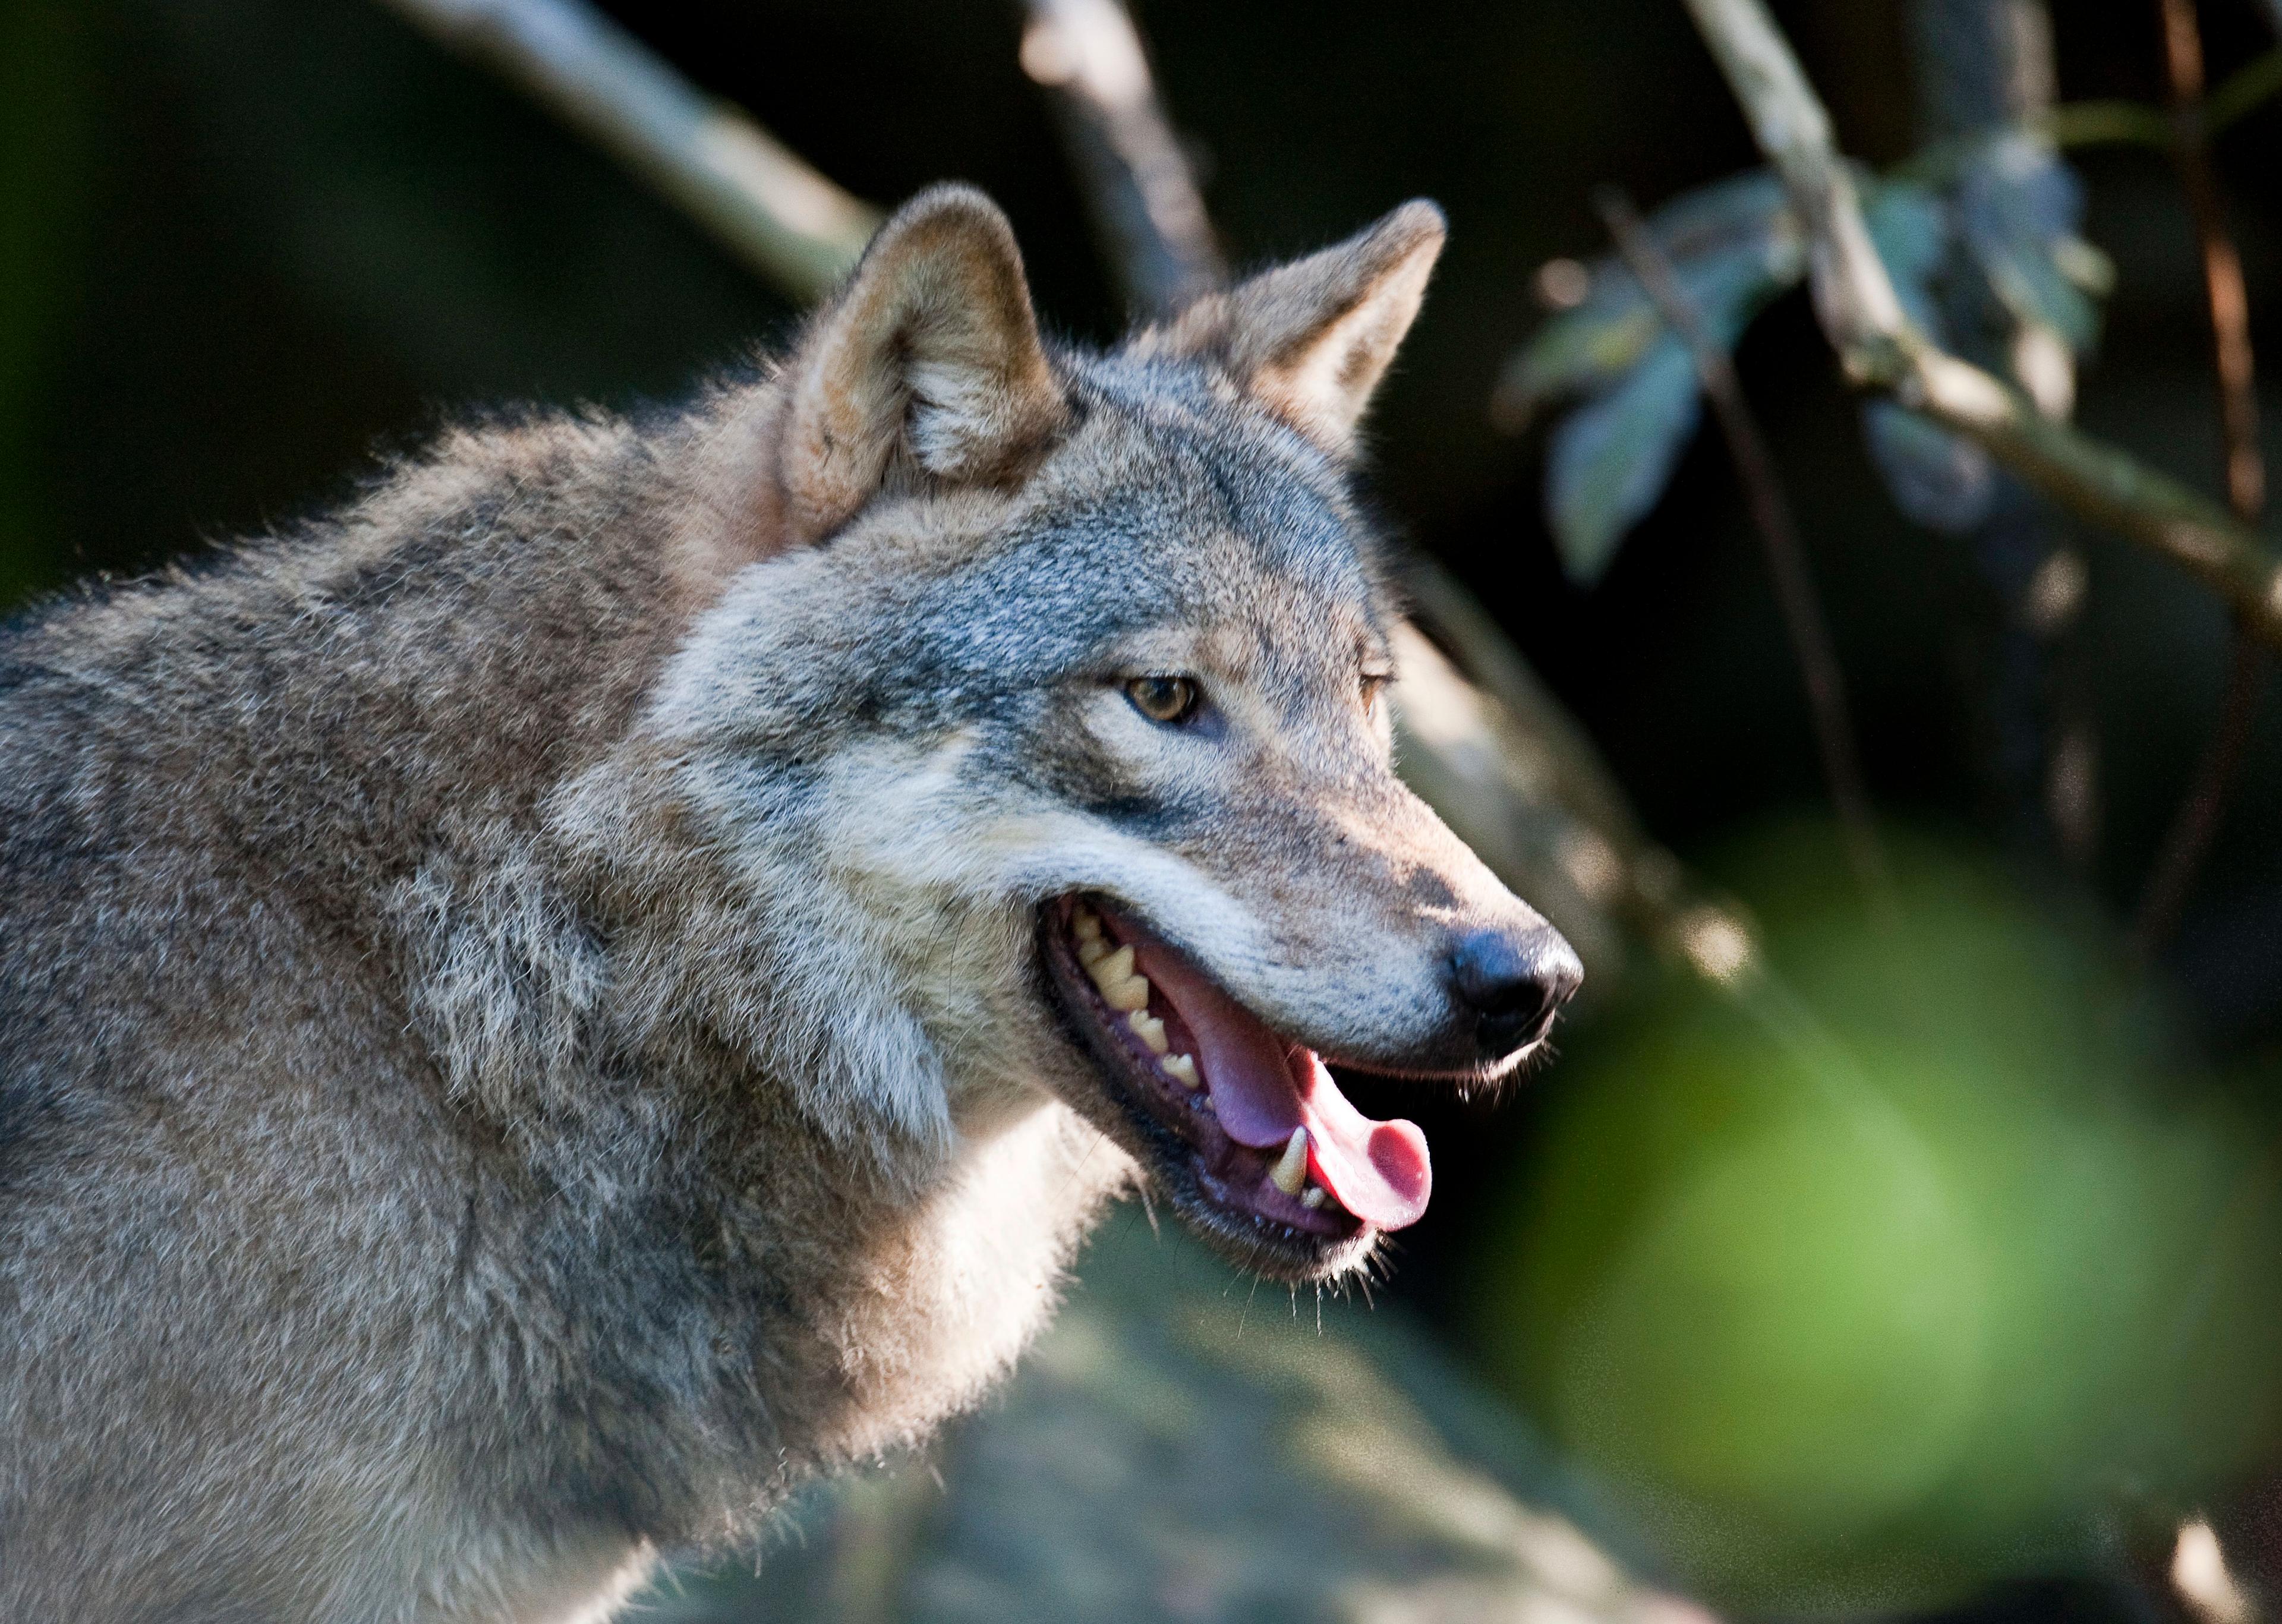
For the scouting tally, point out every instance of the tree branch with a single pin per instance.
(1481, 740)
(758, 200)
(1146, 205)
(1863, 319)
(2229, 298)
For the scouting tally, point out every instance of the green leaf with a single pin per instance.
(2019, 207)
(1611, 459)
(1937, 479)
(1581, 349)
(1911, 230)
(1733, 246)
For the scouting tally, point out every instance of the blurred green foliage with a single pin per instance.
(1893, 1276)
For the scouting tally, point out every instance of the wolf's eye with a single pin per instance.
(1170, 700)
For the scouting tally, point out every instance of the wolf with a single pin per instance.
(611, 974)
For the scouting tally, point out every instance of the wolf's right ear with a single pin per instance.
(930, 352)
(1311, 340)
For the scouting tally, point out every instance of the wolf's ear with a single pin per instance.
(930, 351)
(1312, 338)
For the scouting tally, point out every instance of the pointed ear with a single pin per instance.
(1312, 338)
(931, 352)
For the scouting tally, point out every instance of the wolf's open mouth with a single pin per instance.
(1270, 1139)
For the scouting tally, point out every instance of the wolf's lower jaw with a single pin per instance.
(1270, 1206)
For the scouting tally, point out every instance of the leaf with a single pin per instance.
(1611, 459)
(1734, 248)
(1577, 351)
(1937, 479)
(2018, 208)
(1911, 230)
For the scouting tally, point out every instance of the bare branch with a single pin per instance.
(2229, 298)
(1481, 740)
(773, 211)
(1853, 295)
(1145, 201)
(1855, 299)
(2196, 824)
(1823, 678)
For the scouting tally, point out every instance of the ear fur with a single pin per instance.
(932, 350)
(1312, 338)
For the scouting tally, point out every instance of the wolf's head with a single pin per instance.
(1051, 750)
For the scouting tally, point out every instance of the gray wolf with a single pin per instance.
(612, 974)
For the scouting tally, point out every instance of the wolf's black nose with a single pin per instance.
(1513, 981)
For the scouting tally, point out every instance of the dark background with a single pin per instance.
(249, 241)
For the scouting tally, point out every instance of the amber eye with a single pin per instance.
(1170, 700)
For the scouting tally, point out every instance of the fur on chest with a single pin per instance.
(920, 1314)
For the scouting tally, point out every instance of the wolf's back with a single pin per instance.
(234, 1192)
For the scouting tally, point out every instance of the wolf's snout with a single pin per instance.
(1512, 983)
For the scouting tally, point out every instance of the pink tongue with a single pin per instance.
(1263, 1087)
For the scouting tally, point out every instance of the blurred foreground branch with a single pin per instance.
(1172, 1449)
(1139, 181)
(1861, 313)
(776, 214)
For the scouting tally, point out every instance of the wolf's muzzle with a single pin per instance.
(1511, 983)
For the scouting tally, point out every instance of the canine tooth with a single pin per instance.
(1087, 924)
(1111, 968)
(1290, 1173)
(1181, 1067)
(1091, 950)
(1314, 1197)
(1129, 995)
(1149, 1029)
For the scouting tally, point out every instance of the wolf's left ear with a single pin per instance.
(1312, 338)
(930, 352)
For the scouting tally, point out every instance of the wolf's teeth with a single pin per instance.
(1111, 968)
(1091, 950)
(1087, 924)
(1290, 1173)
(1181, 1067)
(1130, 995)
(1149, 1029)
(1314, 1197)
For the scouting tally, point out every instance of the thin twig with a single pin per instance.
(1862, 317)
(2230, 300)
(1139, 181)
(1820, 671)
(2196, 824)
(777, 214)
